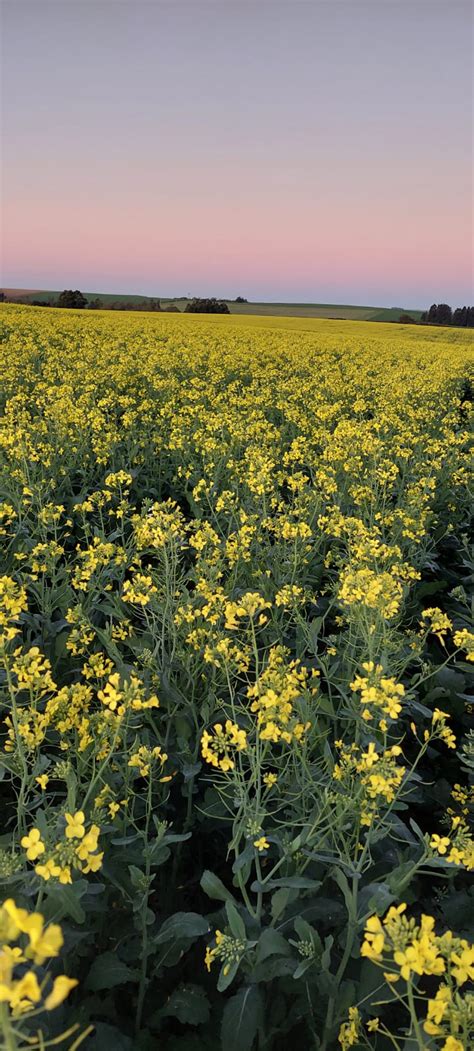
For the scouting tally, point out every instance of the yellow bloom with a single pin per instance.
(22, 993)
(48, 869)
(45, 942)
(75, 825)
(61, 988)
(465, 640)
(33, 844)
(463, 961)
(374, 942)
(439, 843)
(261, 844)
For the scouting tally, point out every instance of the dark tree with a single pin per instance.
(2, 297)
(241, 299)
(444, 314)
(441, 314)
(95, 304)
(460, 317)
(207, 306)
(424, 316)
(407, 319)
(152, 304)
(72, 300)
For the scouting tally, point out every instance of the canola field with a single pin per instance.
(235, 642)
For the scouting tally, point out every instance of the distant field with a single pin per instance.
(339, 311)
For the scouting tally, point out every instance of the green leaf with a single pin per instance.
(341, 879)
(236, 922)
(375, 897)
(280, 900)
(303, 966)
(273, 967)
(243, 1015)
(326, 957)
(189, 1004)
(430, 588)
(108, 971)
(176, 837)
(182, 925)
(292, 882)
(214, 887)
(227, 974)
(303, 929)
(64, 900)
(372, 987)
(271, 943)
(397, 878)
(246, 856)
(108, 1038)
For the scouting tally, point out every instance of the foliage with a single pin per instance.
(235, 640)
(207, 306)
(69, 299)
(442, 314)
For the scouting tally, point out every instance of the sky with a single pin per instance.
(284, 150)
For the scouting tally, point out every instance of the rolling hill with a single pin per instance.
(339, 311)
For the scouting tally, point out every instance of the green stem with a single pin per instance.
(8, 1034)
(350, 937)
(144, 949)
(414, 1018)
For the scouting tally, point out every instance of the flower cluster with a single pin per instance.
(372, 777)
(26, 942)
(79, 850)
(144, 759)
(273, 698)
(219, 747)
(226, 948)
(408, 950)
(378, 691)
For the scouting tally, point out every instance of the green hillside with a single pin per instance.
(342, 311)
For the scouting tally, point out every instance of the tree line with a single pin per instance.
(443, 314)
(73, 299)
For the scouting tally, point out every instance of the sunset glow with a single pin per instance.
(304, 152)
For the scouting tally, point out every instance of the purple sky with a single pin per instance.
(295, 151)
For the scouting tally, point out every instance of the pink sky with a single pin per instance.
(295, 151)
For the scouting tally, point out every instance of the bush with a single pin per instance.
(72, 300)
(207, 306)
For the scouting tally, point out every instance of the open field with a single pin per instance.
(235, 641)
(329, 310)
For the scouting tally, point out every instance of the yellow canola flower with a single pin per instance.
(75, 825)
(22, 991)
(61, 988)
(33, 844)
(464, 639)
(218, 748)
(261, 843)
